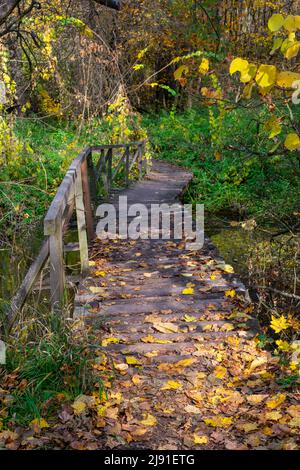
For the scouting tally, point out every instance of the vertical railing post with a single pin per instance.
(140, 161)
(57, 270)
(87, 201)
(81, 223)
(92, 174)
(109, 170)
(127, 164)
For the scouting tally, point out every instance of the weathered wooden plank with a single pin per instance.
(81, 224)
(59, 214)
(127, 163)
(57, 272)
(109, 170)
(62, 196)
(92, 176)
(87, 202)
(97, 148)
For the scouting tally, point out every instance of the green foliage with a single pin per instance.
(29, 179)
(246, 177)
(48, 368)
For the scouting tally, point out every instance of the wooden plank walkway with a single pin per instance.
(178, 328)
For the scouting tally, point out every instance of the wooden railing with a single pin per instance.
(77, 192)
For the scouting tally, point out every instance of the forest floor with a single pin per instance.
(175, 351)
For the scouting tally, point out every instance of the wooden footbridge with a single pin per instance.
(174, 323)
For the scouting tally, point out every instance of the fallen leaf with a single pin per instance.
(189, 319)
(273, 415)
(192, 409)
(166, 327)
(107, 341)
(171, 385)
(230, 293)
(184, 362)
(275, 401)
(200, 439)
(255, 399)
(220, 372)
(188, 291)
(219, 421)
(148, 420)
(152, 339)
(121, 367)
(78, 407)
(132, 361)
(248, 427)
(136, 379)
(39, 423)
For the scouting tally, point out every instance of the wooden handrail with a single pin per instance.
(76, 191)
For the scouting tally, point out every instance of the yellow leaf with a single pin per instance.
(183, 69)
(227, 268)
(273, 127)
(295, 422)
(152, 339)
(136, 379)
(188, 291)
(292, 51)
(39, 423)
(238, 65)
(292, 142)
(273, 415)
(100, 273)
(79, 407)
(204, 66)
(219, 421)
(148, 420)
(189, 319)
(171, 385)
(200, 439)
(218, 156)
(276, 22)
(227, 327)
(291, 23)
(257, 363)
(132, 361)
(248, 74)
(248, 427)
(185, 362)
(275, 401)
(107, 341)
(194, 395)
(266, 76)
(255, 399)
(166, 327)
(220, 372)
(247, 92)
(230, 293)
(141, 53)
(283, 345)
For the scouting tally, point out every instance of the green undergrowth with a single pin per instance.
(50, 365)
(43, 152)
(242, 179)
